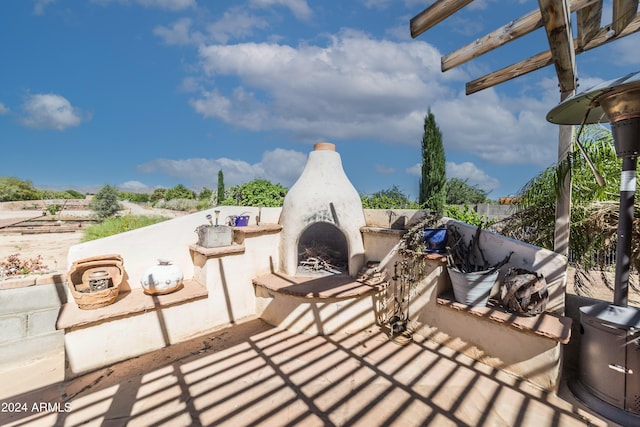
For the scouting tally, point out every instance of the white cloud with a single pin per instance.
(465, 171)
(3, 109)
(169, 4)
(174, 5)
(358, 87)
(384, 170)
(135, 187)
(50, 111)
(278, 166)
(300, 8)
(621, 50)
(179, 33)
(499, 129)
(38, 8)
(474, 176)
(418, 5)
(236, 23)
(354, 87)
(415, 170)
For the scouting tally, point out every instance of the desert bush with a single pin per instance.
(204, 204)
(177, 204)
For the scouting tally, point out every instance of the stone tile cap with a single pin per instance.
(324, 146)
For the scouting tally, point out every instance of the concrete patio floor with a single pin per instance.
(253, 374)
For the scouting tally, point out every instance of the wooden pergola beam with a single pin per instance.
(588, 19)
(434, 14)
(557, 23)
(505, 34)
(623, 13)
(513, 30)
(505, 74)
(603, 36)
(543, 59)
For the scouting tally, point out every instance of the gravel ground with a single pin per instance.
(53, 247)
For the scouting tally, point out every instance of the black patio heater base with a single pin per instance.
(610, 412)
(609, 373)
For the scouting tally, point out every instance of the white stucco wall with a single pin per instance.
(231, 296)
(141, 248)
(228, 280)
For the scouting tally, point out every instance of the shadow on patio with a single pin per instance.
(254, 374)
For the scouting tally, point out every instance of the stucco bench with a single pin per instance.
(134, 324)
(128, 303)
(554, 327)
(319, 306)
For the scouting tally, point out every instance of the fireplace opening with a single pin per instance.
(322, 250)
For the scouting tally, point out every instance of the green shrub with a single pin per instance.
(392, 198)
(259, 192)
(53, 209)
(468, 215)
(120, 224)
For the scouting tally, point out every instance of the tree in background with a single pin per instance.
(179, 192)
(459, 192)
(157, 195)
(220, 196)
(13, 189)
(134, 197)
(205, 194)
(205, 199)
(105, 202)
(392, 198)
(434, 177)
(259, 192)
(67, 194)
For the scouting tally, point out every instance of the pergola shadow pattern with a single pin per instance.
(253, 374)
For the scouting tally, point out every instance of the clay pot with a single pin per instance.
(163, 278)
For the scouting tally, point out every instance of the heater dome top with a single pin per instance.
(572, 110)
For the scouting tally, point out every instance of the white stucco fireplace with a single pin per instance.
(322, 208)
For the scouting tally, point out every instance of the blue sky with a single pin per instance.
(148, 93)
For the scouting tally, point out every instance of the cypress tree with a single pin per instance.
(434, 178)
(220, 187)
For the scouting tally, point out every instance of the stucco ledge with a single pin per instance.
(556, 328)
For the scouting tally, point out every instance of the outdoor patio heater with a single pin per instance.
(609, 375)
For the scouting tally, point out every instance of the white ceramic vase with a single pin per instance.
(162, 278)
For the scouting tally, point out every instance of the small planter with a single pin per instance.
(213, 236)
(240, 220)
(473, 288)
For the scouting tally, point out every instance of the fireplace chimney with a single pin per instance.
(322, 202)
